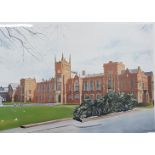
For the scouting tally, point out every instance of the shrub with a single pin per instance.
(111, 102)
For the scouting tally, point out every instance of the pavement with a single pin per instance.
(28, 105)
(139, 120)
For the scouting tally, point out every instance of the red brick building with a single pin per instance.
(150, 85)
(25, 90)
(136, 82)
(67, 87)
(62, 75)
(112, 71)
(45, 92)
(93, 86)
(114, 78)
(74, 90)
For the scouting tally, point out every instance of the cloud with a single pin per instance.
(147, 28)
(90, 44)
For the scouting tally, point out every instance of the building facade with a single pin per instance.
(112, 71)
(93, 86)
(45, 92)
(4, 94)
(12, 90)
(74, 90)
(62, 75)
(150, 85)
(26, 90)
(115, 78)
(68, 87)
(135, 81)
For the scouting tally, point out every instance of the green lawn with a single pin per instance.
(11, 117)
(147, 105)
(150, 106)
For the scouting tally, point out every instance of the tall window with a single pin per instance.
(70, 97)
(48, 87)
(53, 87)
(91, 85)
(85, 85)
(58, 86)
(59, 78)
(98, 85)
(76, 85)
(122, 83)
(38, 88)
(70, 87)
(132, 85)
(43, 87)
(58, 82)
(143, 86)
(110, 82)
(29, 91)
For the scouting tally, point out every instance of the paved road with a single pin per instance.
(139, 120)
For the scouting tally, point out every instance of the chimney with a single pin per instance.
(62, 57)
(70, 58)
(139, 68)
(83, 73)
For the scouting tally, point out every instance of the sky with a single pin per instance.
(90, 45)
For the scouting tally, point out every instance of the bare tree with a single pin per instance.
(20, 35)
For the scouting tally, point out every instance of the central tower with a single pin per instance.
(62, 74)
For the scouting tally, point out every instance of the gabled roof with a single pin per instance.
(3, 89)
(123, 71)
(13, 85)
(149, 73)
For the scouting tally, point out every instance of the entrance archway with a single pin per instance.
(59, 98)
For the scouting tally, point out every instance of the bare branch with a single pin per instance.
(31, 32)
(21, 42)
(18, 35)
(4, 34)
(34, 50)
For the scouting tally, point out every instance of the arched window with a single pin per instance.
(70, 87)
(76, 85)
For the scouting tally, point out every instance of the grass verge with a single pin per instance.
(146, 105)
(12, 103)
(11, 117)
